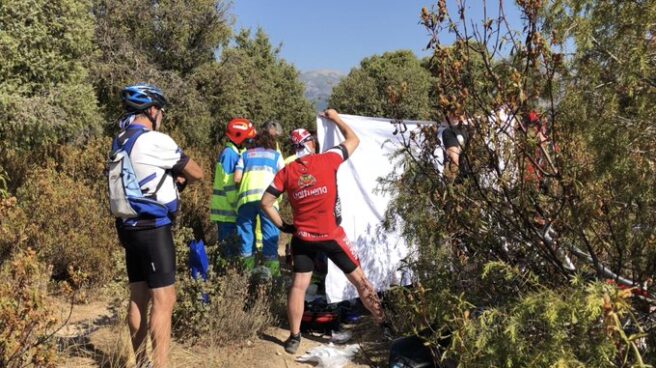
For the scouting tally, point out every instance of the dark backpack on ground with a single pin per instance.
(320, 317)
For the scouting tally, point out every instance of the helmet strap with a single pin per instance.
(304, 151)
(153, 121)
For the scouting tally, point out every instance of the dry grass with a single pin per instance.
(237, 309)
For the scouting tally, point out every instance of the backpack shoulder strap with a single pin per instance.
(159, 185)
(127, 138)
(130, 138)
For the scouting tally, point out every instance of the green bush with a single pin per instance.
(393, 85)
(501, 253)
(569, 327)
(583, 325)
(45, 96)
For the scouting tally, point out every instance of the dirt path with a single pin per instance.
(95, 337)
(267, 351)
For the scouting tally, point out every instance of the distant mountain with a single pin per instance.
(319, 85)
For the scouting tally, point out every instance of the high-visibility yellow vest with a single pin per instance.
(223, 207)
(259, 169)
(285, 160)
(290, 159)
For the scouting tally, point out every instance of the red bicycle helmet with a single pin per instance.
(300, 136)
(239, 130)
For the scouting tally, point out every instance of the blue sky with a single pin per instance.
(337, 34)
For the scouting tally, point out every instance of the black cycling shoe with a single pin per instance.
(292, 343)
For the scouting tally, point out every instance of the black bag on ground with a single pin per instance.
(320, 317)
(410, 352)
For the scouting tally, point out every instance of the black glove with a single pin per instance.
(287, 228)
(181, 186)
(289, 258)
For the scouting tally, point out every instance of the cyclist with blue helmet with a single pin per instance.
(160, 167)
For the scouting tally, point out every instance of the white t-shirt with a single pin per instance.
(156, 155)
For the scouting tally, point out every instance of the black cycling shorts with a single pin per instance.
(149, 255)
(304, 253)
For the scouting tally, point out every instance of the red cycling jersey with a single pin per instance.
(311, 186)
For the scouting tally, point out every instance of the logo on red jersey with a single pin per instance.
(310, 192)
(306, 180)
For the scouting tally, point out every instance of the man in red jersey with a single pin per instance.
(310, 182)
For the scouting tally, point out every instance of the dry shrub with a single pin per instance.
(114, 346)
(61, 212)
(235, 311)
(236, 308)
(108, 347)
(71, 228)
(195, 199)
(26, 322)
(14, 226)
(85, 164)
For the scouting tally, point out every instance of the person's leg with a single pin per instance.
(228, 238)
(160, 277)
(138, 320)
(302, 254)
(295, 307)
(270, 249)
(367, 294)
(160, 323)
(137, 315)
(296, 299)
(340, 252)
(245, 224)
(227, 230)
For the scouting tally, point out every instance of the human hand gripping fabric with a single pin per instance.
(330, 114)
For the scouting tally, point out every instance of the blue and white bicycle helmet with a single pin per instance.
(141, 96)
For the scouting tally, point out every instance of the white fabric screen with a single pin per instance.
(363, 206)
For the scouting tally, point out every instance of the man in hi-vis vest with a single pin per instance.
(223, 208)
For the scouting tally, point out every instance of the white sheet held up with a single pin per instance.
(363, 206)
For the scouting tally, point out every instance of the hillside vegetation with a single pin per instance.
(534, 253)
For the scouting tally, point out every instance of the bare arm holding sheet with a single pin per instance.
(351, 140)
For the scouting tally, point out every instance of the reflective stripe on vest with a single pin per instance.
(260, 167)
(252, 192)
(222, 213)
(223, 207)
